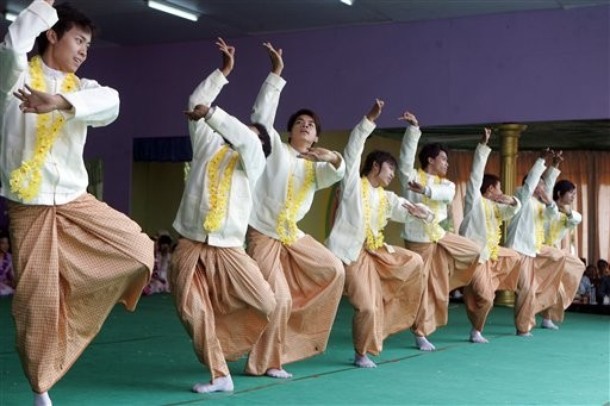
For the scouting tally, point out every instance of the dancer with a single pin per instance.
(74, 257)
(485, 208)
(384, 283)
(556, 229)
(449, 259)
(541, 265)
(220, 294)
(306, 277)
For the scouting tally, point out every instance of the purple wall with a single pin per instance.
(537, 66)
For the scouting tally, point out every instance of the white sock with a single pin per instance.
(477, 338)
(423, 344)
(363, 361)
(221, 384)
(548, 323)
(278, 373)
(42, 399)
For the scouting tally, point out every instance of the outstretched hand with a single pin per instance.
(504, 199)
(375, 111)
(557, 158)
(417, 210)
(277, 62)
(35, 101)
(228, 56)
(409, 118)
(197, 113)
(416, 187)
(547, 153)
(317, 154)
(486, 136)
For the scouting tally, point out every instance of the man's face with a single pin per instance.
(567, 198)
(303, 133)
(439, 165)
(68, 53)
(496, 189)
(386, 174)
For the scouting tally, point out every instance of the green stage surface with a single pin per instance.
(145, 358)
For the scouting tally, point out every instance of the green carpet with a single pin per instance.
(146, 358)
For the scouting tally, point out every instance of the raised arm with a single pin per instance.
(207, 91)
(533, 177)
(481, 154)
(408, 149)
(267, 101)
(352, 154)
(552, 172)
(38, 17)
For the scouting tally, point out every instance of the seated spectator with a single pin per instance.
(604, 289)
(586, 289)
(7, 279)
(159, 282)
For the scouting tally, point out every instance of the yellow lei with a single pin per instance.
(433, 229)
(555, 229)
(373, 240)
(286, 227)
(539, 226)
(219, 188)
(494, 232)
(25, 181)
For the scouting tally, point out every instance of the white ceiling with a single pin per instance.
(131, 22)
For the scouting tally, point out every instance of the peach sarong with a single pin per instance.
(73, 263)
(538, 284)
(451, 263)
(488, 277)
(222, 300)
(307, 280)
(568, 286)
(385, 289)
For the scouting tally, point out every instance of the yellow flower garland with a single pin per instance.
(555, 229)
(433, 229)
(373, 240)
(286, 227)
(26, 180)
(494, 232)
(539, 226)
(218, 189)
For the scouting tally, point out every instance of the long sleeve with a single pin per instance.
(473, 189)
(265, 108)
(19, 40)
(521, 234)
(243, 140)
(347, 235)
(406, 164)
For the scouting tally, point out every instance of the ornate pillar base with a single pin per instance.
(505, 298)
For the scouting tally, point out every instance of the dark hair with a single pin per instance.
(430, 151)
(377, 156)
(263, 135)
(602, 263)
(68, 18)
(488, 181)
(305, 112)
(562, 187)
(164, 239)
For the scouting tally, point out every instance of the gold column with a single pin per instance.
(509, 136)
